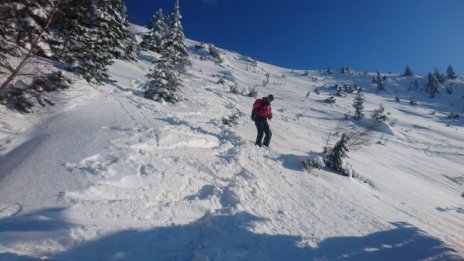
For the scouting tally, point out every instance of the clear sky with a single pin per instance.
(383, 35)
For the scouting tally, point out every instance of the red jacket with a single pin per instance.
(263, 108)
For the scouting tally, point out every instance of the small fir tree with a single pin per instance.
(432, 85)
(380, 82)
(440, 77)
(175, 39)
(163, 83)
(339, 153)
(346, 69)
(450, 73)
(132, 51)
(358, 105)
(155, 39)
(408, 72)
(379, 114)
(329, 70)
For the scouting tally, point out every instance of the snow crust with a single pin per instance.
(109, 175)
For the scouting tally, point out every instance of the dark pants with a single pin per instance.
(263, 128)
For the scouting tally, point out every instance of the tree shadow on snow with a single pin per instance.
(134, 91)
(291, 161)
(43, 221)
(457, 209)
(228, 237)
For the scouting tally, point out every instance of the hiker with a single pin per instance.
(260, 113)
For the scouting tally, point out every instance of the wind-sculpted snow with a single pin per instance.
(114, 176)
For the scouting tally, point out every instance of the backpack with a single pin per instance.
(256, 107)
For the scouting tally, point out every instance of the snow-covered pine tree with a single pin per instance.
(115, 20)
(339, 153)
(213, 51)
(450, 73)
(90, 35)
(358, 104)
(440, 77)
(432, 84)
(132, 51)
(346, 69)
(175, 39)
(6, 48)
(163, 83)
(329, 70)
(23, 21)
(379, 114)
(155, 38)
(408, 72)
(379, 81)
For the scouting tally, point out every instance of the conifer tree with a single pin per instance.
(379, 81)
(439, 76)
(379, 114)
(176, 38)
(450, 73)
(22, 21)
(358, 105)
(329, 70)
(339, 153)
(90, 36)
(20, 25)
(408, 72)
(6, 50)
(132, 51)
(432, 85)
(155, 39)
(163, 83)
(36, 17)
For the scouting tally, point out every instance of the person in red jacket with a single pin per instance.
(262, 111)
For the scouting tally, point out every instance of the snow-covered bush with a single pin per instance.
(331, 99)
(23, 96)
(252, 92)
(221, 81)
(213, 51)
(230, 120)
(379, 114)
(315, 162)
(234, 89)
(454, 116)
(266, 80)
(346, 69)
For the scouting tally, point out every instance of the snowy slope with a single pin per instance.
(110, 175)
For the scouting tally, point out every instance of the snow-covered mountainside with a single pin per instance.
(109, 175)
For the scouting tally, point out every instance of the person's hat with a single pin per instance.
(270, 97)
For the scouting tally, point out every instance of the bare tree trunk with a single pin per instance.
(33, 48)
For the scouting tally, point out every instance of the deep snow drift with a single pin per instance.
(109, 175)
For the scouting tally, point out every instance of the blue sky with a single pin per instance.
(375, 35)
